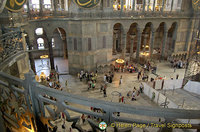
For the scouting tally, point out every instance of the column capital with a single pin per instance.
(139, 30)
(125, 30)
(153, 30)
(165, 31)
(132, 36)
(146, 35)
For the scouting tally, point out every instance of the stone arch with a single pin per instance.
(132, 40)
(60, 42)
(146, 42)
(159, 40)
(171, 39)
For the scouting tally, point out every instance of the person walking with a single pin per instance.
(139, 74)
(133, 96)
(104, 91)
(101, 88)
(83, 118)
(141, 88)
(120, 80)
(129, 94)
(93, 84)
(66, 83)
(123, 100)
(174, 68)
(81, 77)
(104, 78)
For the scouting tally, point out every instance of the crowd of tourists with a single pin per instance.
(177, 63)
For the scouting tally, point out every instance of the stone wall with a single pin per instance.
(99, 31)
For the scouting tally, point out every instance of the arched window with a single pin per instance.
(40, 42)
(53, 43)
(47, 4)
(39, 31)
(35, 4)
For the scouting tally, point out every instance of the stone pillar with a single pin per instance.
(133, 5)
(138, 44)
(41, 7)
(122, 5)
(131, 48)
(144, 4)
(172, 5)
(28, 8)
(124, 45)
(163, 4)
(55, 6)
(152, 42)
(154, 3)
(148, 5)
(64, 48)
(114, 41)
(51, 53)
(174, 37)
(31, 59)
(163, 44)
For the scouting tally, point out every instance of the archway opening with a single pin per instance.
(131, 46)
(117, 39)
(171, 39)
(145, 43)
(60, 51)
(158, 43)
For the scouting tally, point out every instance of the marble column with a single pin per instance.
(122, 5)
(154, 3)
(131, 48)
(163, 44)
(124, 45)
(148, 5)
(41, 7)
(172, 4)
(133, 5)
(55, 7)
(30, 47)
(174, 38)
(28, 9)
(144, 4)
(115, 41)
(163, 4)
(51, 53)
(138, 45)
(64, 48)
(152, 42)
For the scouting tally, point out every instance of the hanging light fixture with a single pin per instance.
(120, 61)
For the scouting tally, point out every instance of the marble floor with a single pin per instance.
(43, 65)
(75, 86)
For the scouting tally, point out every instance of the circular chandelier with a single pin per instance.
(145, 53)
(44, 56)
(121, 61)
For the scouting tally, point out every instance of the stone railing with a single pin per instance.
(97, 15)
(28, 100)
(26, 105)
(117, 14)
(23, 17)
